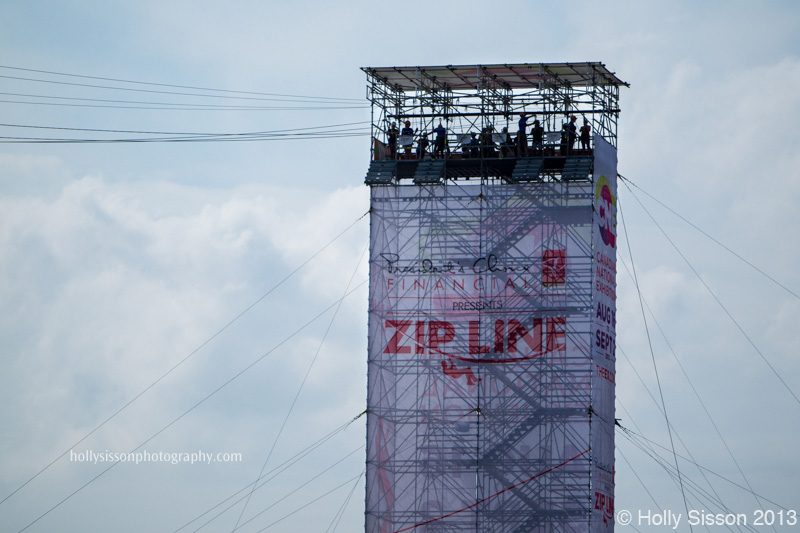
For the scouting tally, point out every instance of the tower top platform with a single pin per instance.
(480, 121)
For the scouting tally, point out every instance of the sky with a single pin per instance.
(211, 296)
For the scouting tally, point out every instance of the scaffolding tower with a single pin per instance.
(492, 302)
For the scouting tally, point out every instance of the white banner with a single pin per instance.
(604, 296)
(482, 360)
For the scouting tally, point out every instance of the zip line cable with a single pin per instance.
(191, 107)
(693, 488)
(340, 513)
(706, 500)
(202, 134)
(201, 138)
(738, 256)
(272, 474)
(244, 137)
(719, 434)
(334, 489)
(653, 357)
(685, 374)
(166, 84)
(186, 107)
(632, 435)
(629, 183)
(694, 390)
(619, 401)
(302, 384)
(189, 356)
(619, 449)
(639, 479)
(322, 104)
(305, 484)
(696, 493)
(295, 137)
(719, 302)
(299, 99)
(196, 405)
(673, 429)
(347, 129)
(666, 465)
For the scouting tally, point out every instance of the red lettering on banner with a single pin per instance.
(605, 276)
(394, 343)
(607, 262)
(434, 340)
(454, 372)
(516, 329)
(554, 267)
(429, 337)
(419, 337)
(474, 339)
(556, 338)
(605, 373)
(604, 503)
(499, 334)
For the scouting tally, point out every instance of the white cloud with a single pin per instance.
(127, 282)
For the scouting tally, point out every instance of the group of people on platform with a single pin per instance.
(485, 145)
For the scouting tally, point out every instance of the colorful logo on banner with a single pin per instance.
(554, 267)
(606, 204)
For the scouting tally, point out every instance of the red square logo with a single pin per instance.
(554, 267)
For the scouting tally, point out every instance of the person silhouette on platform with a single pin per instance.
(440, 141)
(537, 137)
(586, 134)
(422, 146)
(407, 134)
(522, 139)
(572, 134)
(507, 146)
(391, 138)
(474, 146)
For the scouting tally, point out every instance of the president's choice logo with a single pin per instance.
(606, 206)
